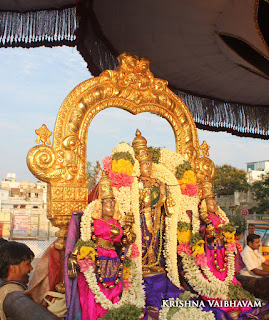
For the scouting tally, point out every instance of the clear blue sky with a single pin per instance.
(34, 83)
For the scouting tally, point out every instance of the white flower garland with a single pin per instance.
(136, 213)
(211, 287)
(223, 215)
(170, 159)
(123, 199)
(170, 246)
(135, 293)
(123, 147)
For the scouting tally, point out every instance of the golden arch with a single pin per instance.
(131, 87)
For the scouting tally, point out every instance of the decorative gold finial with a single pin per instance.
(105, 188)
(204, 149)
(207, 190)
(140, 147)
(43, 134)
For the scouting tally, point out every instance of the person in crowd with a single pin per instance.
(237, 238)
(250, 230)
(2, 241)
(253, 259)
(15, 267)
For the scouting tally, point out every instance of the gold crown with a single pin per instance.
(105, 187)
(140, 147)
(207, 190)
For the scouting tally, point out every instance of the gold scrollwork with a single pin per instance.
(132, 87)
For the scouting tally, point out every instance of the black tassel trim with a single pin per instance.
(37, 28)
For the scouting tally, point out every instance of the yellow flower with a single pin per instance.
(182, 184)
(229, 236)
(183, 236)
(189, 177)
(86, 252)
(126, 272)
(198, 248)
(122, 165)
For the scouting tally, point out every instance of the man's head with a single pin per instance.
(15, 261)
(253, 241)
(251, 228)
(237, 235)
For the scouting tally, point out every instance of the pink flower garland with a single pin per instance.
(120, 179)
(200, 260)
(84, 264)
(107, 164)
(134, 251)
(184, 247)
(231, 247)
(191, 190)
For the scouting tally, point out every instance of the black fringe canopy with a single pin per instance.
(199, 47)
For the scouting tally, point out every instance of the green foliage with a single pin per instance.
(80, 243)
(230, 227)
(236, 292)
(155, 154)
(127, 312)
(90, 170)
(180, 169)
(123, 155)
(260, 191)
(195, 238)
(238, 221)
(228, 179)
(183, 226)
(128, 262)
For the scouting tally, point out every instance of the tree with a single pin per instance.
(229, 179)
(260, 191)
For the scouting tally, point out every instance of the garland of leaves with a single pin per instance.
(155, 154)
(180, 169)
(123, 155)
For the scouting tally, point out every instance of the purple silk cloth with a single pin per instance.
(159, 287)
(71, 286)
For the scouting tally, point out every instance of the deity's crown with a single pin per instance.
(207, 190)
(140, 147)
(105, 187)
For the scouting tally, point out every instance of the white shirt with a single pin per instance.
(253, 260)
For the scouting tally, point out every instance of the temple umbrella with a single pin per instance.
(214, 54)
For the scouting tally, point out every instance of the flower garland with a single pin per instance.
(211, 287)
(170, 247)
(170, 159)
(135, 293)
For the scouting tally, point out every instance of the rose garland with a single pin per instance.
(135, 293)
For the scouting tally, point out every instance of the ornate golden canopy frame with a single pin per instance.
(131, 87)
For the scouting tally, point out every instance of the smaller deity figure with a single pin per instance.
(214, 232)
(152, 195)
(105, 252)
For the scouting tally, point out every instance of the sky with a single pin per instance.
(33, 84)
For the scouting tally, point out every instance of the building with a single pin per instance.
(256, 170)
(23, 209)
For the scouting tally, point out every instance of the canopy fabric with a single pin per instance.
(214, 54)
(30, 23)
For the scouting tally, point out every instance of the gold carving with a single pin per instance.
(131, 87)
(204, 149)
(43, 134)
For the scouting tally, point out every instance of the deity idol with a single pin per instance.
(100, 253)
(151, 199)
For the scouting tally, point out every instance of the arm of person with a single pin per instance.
(266, 262)
(259, 272)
